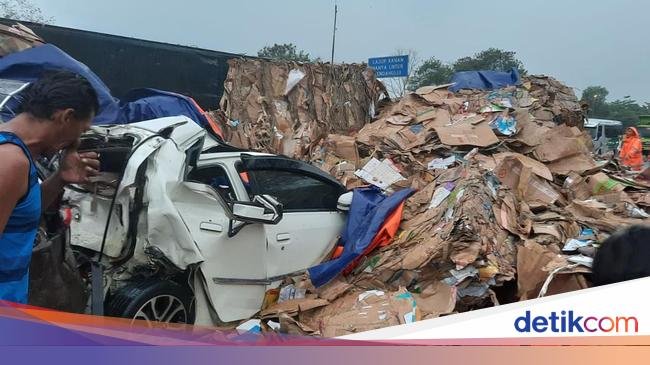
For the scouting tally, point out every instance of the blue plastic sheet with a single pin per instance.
(30, 64)
(138, 105)
(484, 80)
(145, 104)
(368, 211)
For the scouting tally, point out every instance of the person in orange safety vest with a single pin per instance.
(631, 153)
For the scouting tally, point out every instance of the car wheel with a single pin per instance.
(153, 300)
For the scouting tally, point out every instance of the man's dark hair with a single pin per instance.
(625, 255)
(58, 90)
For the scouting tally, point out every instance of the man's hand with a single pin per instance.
(77, 168)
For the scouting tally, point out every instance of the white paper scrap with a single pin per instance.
(439, 196)
(381, 174)
(441, 163)
(574, 244)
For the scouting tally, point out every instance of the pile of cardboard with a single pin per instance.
(509, 197)
(546, 98)
(288, 107)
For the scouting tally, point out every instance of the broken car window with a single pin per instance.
(295, 191)
(217, 178)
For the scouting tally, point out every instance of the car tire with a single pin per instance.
(154, 299)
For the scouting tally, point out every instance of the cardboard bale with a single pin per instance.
(291, 106)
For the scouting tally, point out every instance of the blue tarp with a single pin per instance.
(29, 65)
(138, 105)
(368, 211)
(484, 80)
(145, 104)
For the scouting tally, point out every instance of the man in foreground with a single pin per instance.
(56, 110)
(623, 256)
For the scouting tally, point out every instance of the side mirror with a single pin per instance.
(344, 202)
(263, 209)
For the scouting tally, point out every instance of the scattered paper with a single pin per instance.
(440, 194)
(250, 326)
(291, 292)
(505, 125)
(458, 276)
(368, 293)
(635, 212)
(469, 155)
(442, 163)
(275, 326)
(582, 260)
(574, 244)
(492, 108)
(587, 234)
(380, 174)
(450, 210)
(411, 316)
(473, 290)
(293, 79)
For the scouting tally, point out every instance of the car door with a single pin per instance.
(233, 273)
(310, 224)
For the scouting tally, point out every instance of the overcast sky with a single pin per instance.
(581, 43)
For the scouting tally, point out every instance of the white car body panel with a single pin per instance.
(188, 222)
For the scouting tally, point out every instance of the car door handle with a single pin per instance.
(282, 237)
(210, 226)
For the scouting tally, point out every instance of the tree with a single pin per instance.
(625, 110)
(435, 72)
(397, 86)
(23, 10)
(490, 59)
(431, 72)
(286, 51)
(596, 98)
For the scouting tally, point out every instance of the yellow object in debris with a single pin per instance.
(270, 297)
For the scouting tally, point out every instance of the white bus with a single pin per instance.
(605, 134)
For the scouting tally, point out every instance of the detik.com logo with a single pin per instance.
(569, 322)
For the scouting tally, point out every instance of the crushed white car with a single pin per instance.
(182, 228)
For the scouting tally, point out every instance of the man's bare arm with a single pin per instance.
(14, 180)
(50, 190)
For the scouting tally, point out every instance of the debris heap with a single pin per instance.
(509, 201)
